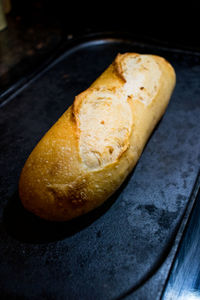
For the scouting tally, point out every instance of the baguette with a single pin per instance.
(87, 154)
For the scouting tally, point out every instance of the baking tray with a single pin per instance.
(125, 248)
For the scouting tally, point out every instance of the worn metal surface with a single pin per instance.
(110, 252)
(184, 280)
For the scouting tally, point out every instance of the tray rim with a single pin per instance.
(95, 38)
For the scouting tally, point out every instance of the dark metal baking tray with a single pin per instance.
(126, 247)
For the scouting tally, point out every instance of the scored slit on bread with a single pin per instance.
(104, 114)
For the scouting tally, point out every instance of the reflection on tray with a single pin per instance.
(184, 282)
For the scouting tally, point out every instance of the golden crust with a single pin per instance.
(55, 183)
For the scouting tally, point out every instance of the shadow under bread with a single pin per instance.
(26, 227)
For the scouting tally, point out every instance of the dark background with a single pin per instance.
(165, 20)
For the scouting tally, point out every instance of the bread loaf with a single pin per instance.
(87, 154)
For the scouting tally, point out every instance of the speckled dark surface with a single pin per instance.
(123, 244)
(32, 35)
